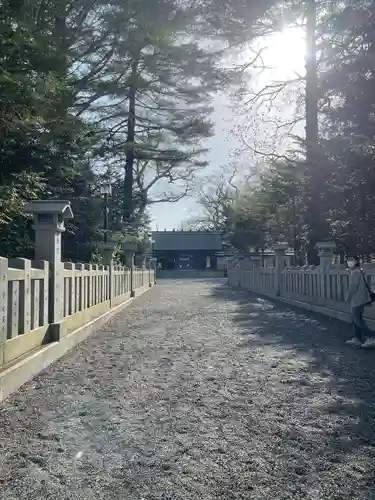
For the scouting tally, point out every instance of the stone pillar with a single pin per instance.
(107, 251)
(255, 260)
(240, 259)
(326, 250)
(24, 294)
(154, 265)
(279, 249)
(49, 217)
(140, 261)
(3, 307)
(129, 259)
(129, 248)
(290, 258)
(148, 257)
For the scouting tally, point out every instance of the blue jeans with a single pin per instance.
(361, 330)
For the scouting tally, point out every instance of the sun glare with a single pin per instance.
(284, 53)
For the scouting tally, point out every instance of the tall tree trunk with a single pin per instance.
(311, 95)
(294, 233)
(130, 139)
(315, 173)
(61, 37)
(62, 45)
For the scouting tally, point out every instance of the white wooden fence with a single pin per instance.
(317, 286)
(87, 292)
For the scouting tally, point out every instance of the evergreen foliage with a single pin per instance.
(88, 88)
(124, 89)
(325, 187)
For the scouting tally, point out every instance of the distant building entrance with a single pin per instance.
(187, 249)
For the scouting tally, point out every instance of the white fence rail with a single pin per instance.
(87, 291)
(317, 286)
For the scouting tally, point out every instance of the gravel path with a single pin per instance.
(197, 392)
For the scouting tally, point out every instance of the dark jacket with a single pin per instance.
(357, 293)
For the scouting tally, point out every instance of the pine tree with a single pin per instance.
(42, 144)
(347, 86)
(155, 103)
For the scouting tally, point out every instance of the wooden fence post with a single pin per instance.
(280, 258)
(132, 288)
(71, 288)
(111, 282)
(3, 306)
(24, 294)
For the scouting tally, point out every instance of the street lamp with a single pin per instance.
(106, 191)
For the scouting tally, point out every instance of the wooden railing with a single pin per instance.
(312, 285)
(25, 301)
(87, 292)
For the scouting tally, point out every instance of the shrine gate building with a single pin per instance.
(187, 249)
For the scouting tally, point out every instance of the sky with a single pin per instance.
(170, 215)
(284, 56)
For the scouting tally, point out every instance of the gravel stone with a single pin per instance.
(197, 391)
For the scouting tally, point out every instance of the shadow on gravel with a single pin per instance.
(175, 278)
(190, 277)
(337, 381)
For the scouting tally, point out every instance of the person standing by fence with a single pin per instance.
(359, 295)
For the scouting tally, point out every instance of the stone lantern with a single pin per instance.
(129, 248)
(326, 250)
(279, 249)
(49, 223)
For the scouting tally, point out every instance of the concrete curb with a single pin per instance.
(32, 363)
(332, 313)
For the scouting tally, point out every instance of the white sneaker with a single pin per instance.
(369, 343)
(354, 341)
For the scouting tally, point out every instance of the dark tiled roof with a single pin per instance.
(187, 240)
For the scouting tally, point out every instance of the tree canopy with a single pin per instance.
(122, 92)
(121, 89)
(323, 186)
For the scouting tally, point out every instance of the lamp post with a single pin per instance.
(106, 191)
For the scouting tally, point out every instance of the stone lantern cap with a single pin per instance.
(280, 247)
(50, 213)
(325, 247)
(50, 207)
(129, 246)
(110, 246)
